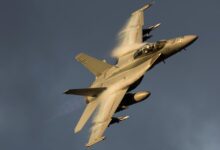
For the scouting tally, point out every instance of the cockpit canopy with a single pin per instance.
(149, 48)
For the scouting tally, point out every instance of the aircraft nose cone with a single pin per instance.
(189, 39)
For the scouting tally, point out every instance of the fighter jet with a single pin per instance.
(111, 90)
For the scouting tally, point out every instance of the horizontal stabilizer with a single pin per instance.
(86, 92)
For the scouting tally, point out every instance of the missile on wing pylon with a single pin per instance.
(146, 32)
(149, 29)
(118, 119)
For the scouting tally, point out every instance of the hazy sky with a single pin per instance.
(38, 42)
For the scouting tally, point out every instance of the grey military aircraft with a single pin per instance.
(111, 90)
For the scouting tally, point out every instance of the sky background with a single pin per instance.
(38, 42)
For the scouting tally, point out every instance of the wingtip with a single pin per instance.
(149, 4)
(89, 144)
(76, 130)
(78, 56)
(145, 7)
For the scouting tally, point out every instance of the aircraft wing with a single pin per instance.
(100, 126)
(131, 36)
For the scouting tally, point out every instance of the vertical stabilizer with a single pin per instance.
(94, 65)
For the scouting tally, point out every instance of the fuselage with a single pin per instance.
(130, 73)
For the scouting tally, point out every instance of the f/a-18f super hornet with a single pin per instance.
(111, 90)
